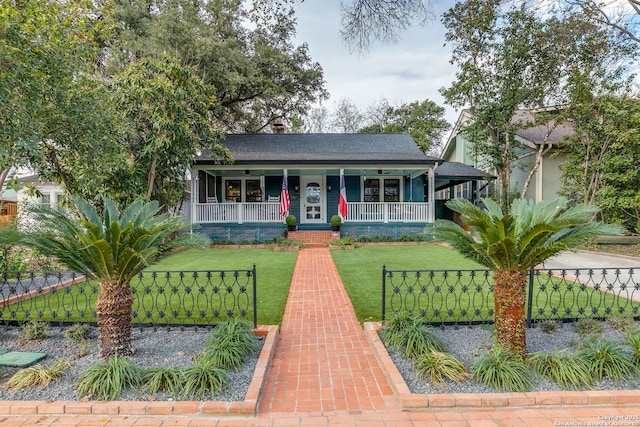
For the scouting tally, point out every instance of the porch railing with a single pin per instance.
(388, 212)
(238, 212)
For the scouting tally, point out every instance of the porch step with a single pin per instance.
(314, 238)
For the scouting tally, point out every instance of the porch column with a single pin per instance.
(431, 179)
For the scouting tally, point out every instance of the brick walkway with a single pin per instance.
(324, 374)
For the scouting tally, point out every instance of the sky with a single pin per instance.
(414, 69)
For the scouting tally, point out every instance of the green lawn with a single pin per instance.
(361, 270)
(444, 297)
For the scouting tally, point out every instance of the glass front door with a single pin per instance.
(312, 211)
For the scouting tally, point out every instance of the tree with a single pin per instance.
(602, 158)
(514, 58)
(167, 106)
(512, 243)
(51, 107)
(622, 15)
(424, 121)
(347, 118)
(259, 75)
(110, 248)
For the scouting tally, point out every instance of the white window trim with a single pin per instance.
(243, 187)
(400, 178)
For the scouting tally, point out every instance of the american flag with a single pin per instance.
(285, 203)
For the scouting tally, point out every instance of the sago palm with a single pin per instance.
(510, 244)
(110, 247)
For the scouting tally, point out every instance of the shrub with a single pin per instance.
(412, 335)
(502, 370)
(607, 359)
(620, 323)
(201, 377)
(567, 370)
(167, 379)
(548, 326)
(230, 343)
(633, 341)
(436, 366)
(106, 380)
(78, 333)
(34, 330)
(335, 221)
(37, 375)
(587, 326)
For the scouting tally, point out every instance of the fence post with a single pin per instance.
(255, 299)
(530, 299)
(384, 290)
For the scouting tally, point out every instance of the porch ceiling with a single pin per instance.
(372, 173)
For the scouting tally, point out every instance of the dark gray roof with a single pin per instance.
(322, 148)
(457, 170)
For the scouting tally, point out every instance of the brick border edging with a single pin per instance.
(247, 407)
(413, 402)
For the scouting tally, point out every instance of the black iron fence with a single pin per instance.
(466, 296)
(160, 297)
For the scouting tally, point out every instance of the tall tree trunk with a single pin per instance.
(509, 293)
(113, 308)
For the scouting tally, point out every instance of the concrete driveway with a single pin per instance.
(615, 273)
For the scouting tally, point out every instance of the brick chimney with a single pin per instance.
(279, 128)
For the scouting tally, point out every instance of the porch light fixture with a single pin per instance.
(296, 188)
(247, 171)
(328, 187)
(379, 171)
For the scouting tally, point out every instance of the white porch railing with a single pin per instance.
(388, 212)
(270, 212)
(238, 212)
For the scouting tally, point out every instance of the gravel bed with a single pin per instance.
(468, 343)
(154, 347)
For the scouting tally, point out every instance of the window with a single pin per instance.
(45, 200)
(390, 190)
(253, 191)
(233, 190)
(243, 190)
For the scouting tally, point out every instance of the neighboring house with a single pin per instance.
(547, 180)
(8, 209)
(35, 192)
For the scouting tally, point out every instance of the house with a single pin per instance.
(389, 184)
(546, 182)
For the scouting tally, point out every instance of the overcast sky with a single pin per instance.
(411, 70)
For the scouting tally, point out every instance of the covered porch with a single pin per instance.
(227, 195)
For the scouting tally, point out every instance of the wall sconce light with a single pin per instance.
(328, 187)
(296, 188)
(379, 171)
(247, 171)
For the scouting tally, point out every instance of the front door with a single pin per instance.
(312, 211)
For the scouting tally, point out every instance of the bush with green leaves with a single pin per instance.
(588, 327)
(412, 335)
(34, 330)
(230, 343)
(438, 366)
(633, 341)
(607, 359)
(78, 333)
(37, 375)
(203, 376)
(549, 326)
(107, 380)
(502, 370)
(566, 369)
(163, 379)
(620, 323)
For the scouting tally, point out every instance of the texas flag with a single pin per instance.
(342, 201)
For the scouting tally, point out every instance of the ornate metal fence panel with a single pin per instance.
(160, 297)
(466, 296)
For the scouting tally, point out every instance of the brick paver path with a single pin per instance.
(323, 361)
(324, 374)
